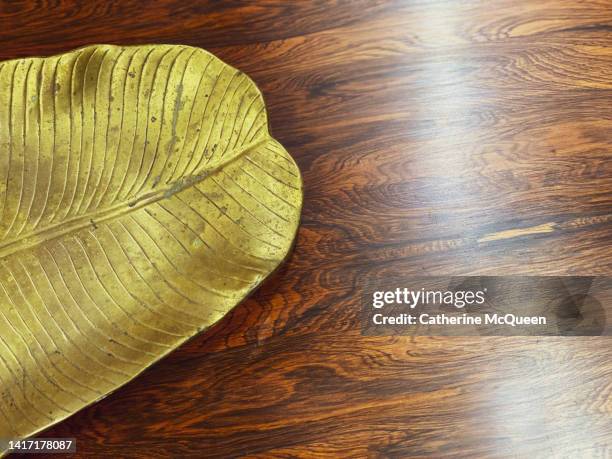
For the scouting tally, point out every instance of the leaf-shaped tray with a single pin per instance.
(141, 198)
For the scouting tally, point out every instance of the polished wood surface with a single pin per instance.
(435, 137)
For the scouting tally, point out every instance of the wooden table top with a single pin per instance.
(434, 137)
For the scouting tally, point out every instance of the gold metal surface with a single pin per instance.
(141, 198)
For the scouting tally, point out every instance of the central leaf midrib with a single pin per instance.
(25, 241)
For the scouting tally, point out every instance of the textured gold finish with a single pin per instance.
(141, 198)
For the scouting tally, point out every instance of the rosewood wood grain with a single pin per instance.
(434, 137)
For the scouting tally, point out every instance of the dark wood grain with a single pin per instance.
(428, 133)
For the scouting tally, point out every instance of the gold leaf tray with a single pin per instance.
(141, 198)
